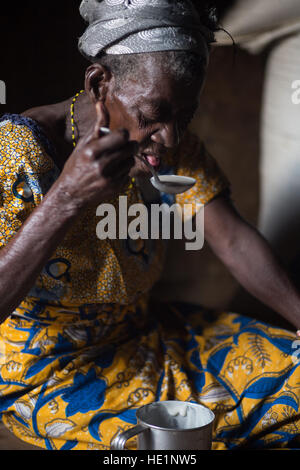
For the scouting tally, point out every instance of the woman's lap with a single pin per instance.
(67, 397)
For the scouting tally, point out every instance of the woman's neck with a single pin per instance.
(84, 115)
(55, 120)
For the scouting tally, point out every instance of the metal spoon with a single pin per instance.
(171, 184)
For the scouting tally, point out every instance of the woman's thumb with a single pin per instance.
(102, 119)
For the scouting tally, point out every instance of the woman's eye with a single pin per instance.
(182, 123)
(144, 122)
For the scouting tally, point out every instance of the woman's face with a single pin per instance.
(155, 109)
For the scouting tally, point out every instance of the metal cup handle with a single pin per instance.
(120, 440)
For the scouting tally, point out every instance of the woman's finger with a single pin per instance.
(118, 166)
(102, 119)
(114, 145)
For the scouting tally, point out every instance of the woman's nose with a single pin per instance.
(167, 135)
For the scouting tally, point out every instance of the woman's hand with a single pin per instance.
(99, 166)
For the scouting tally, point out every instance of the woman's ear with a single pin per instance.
(97, 78)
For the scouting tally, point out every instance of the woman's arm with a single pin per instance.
(250, 259)
(22, 259)
(95, 172)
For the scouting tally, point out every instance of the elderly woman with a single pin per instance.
(81, 346)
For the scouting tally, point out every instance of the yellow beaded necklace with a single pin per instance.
(73, 127)
(72, 117)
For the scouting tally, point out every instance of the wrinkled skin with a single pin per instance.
(98, 168)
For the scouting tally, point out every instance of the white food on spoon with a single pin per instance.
(171, 184)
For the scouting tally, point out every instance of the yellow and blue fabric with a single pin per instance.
(87, 346)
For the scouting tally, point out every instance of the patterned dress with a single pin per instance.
(87, 346)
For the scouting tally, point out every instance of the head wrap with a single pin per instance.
(140, 26)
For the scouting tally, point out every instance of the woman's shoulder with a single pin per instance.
(26, 162)
(22, 139)
(194, 160)
(48, 118)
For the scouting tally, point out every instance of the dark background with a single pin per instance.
(40, 62)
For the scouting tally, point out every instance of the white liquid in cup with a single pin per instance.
(176, 415)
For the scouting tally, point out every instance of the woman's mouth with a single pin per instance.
(148, 161)
(154, 160)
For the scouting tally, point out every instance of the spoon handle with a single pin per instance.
(149, 166)
(105, 130)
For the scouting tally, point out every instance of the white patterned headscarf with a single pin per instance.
(140, 26)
